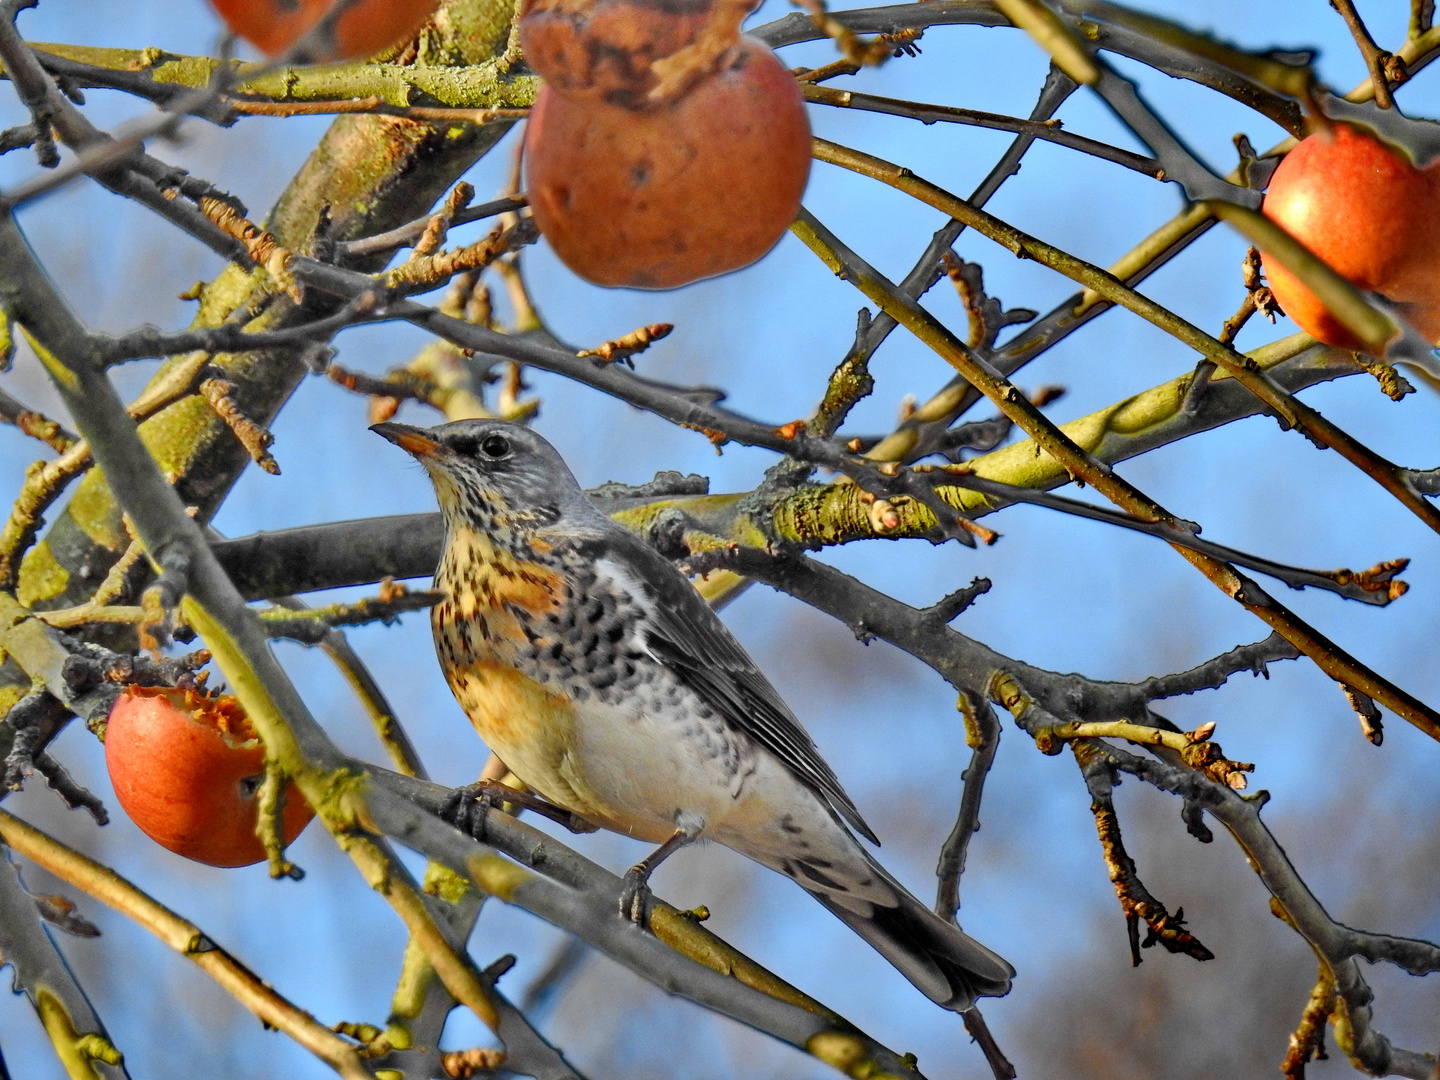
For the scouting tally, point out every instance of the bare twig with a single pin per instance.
(1048, 130)
(312, 625)
(1379, 585)
(255, 438)
(408, 233)
(34, 424)
(1307, 1041)
(1385, 67)
(1214, 673)
(982, 735)
(424, 272)
(623, 348)
(185, 938)
(44, 483)
(1136, 901)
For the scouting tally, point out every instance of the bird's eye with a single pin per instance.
(495, 446)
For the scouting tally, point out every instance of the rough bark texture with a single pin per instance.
(369, 174)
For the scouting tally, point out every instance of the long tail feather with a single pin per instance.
(944, 963)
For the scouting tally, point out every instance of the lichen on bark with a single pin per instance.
(367, 175)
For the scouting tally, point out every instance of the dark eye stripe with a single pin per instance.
(464, 445)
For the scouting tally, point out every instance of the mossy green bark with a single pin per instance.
(456, 81)
(369, 174)
(823, 515)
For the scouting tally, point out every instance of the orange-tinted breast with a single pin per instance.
(509, 709)
(477, 634)
(533, 729)
(485, 581)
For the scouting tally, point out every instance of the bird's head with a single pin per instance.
(490, 474)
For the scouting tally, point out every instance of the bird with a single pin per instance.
(592, 668)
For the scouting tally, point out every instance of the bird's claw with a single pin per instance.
(635, 895)
(467, 807)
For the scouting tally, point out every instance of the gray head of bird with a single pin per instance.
(491, 473)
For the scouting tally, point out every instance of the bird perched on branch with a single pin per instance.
(594, 670)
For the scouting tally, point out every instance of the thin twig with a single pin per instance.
(185, 938)
(1379, 585)
(982, 735)
(1380, 62)
(312, 625)
(44, 483)
(1135, 899)
(36, 425)
(1048, 130)
(1307, 1041)
(252, 436)
(1214, 673)
(411, 231)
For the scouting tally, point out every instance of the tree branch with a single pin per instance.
(77, 1033)
(681, 956)
(1339, 665)
(185, 938)
(982, 735)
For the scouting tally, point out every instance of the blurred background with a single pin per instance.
(1068, 595)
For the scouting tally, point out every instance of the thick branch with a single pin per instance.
(164, 77)
(575, 894)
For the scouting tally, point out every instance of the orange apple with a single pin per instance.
(657, 196)
(187, 768)
(1363, 206)
(366, 26)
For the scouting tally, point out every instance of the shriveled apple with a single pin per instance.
(657, 196)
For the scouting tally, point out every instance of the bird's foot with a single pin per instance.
(466, 807)
(635, 894)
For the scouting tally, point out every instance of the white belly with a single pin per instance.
(649, 771)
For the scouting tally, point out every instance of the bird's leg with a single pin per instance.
(635, 892)
(466, 807)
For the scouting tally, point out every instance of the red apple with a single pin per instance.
(366, 27)
(657, 196)
(187, 769)
(1363, 206)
